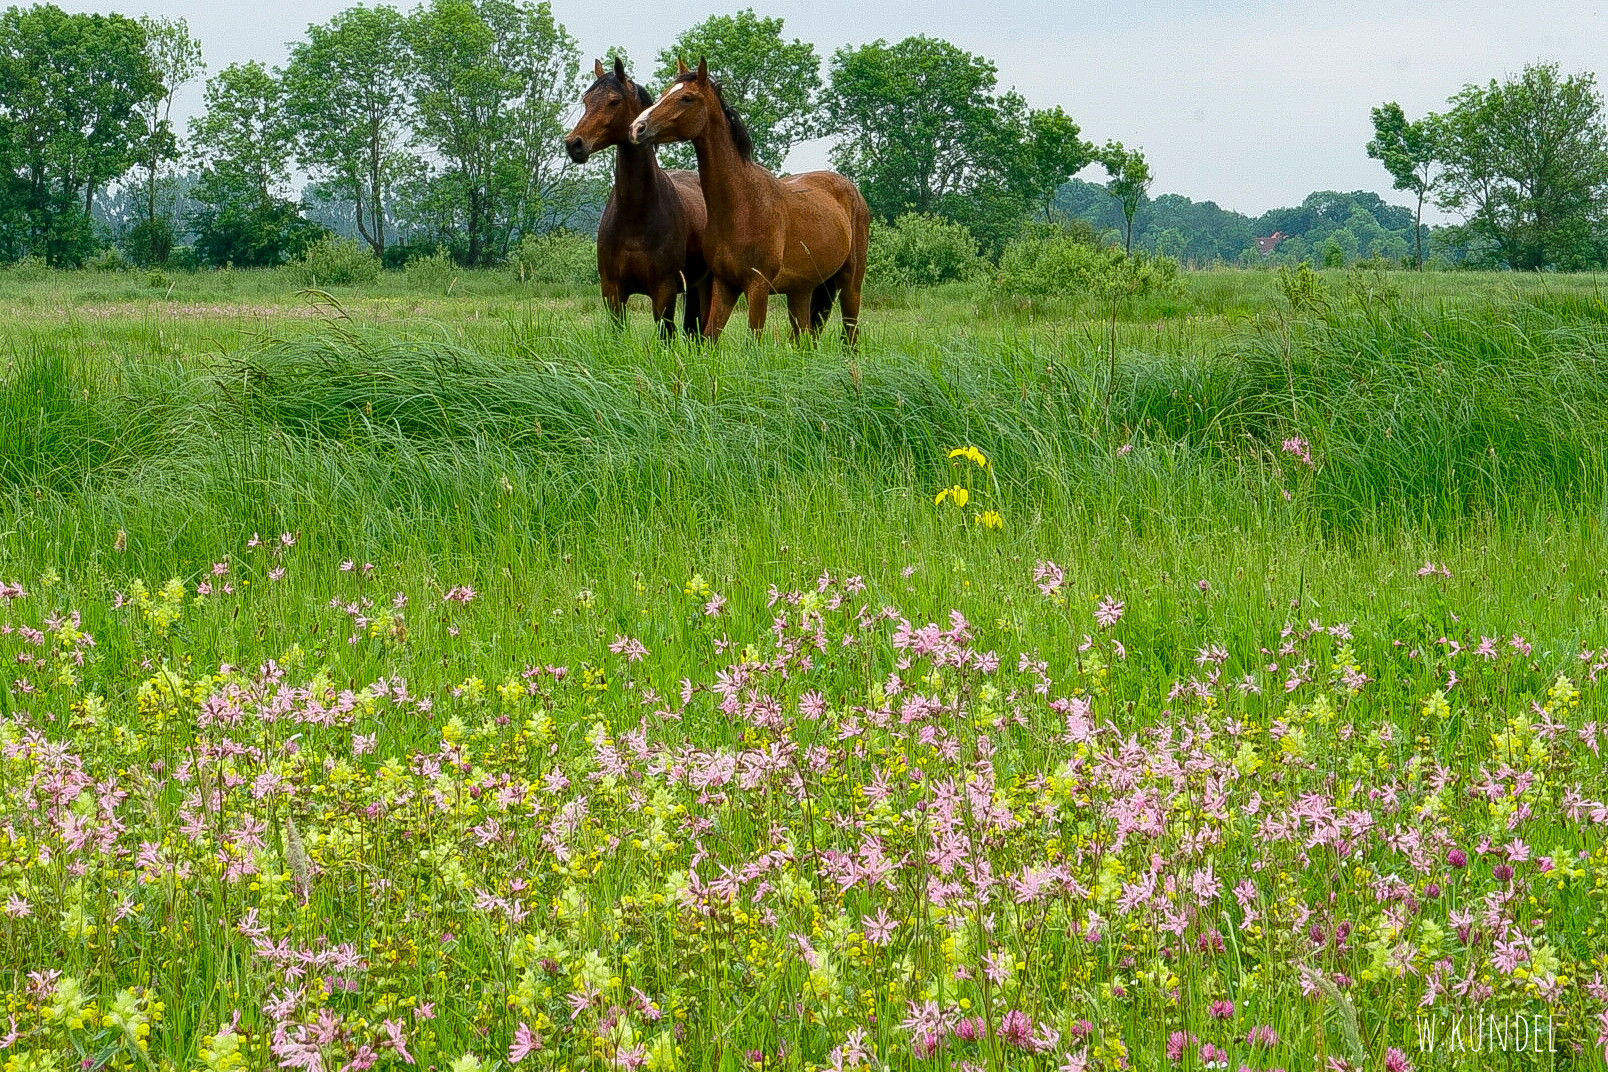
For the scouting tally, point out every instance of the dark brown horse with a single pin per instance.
(650, 240)
(805, 236)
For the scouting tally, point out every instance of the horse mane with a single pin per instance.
(739, 130)
(644, 98)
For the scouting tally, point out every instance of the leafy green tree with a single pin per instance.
(70, 89)
(347, 89)
(1407, 148)
(175, 61)
(1526, 163)
(921, 128)
(243, 144)
(774, 84)
(1129, 180)
(493, 79)
(1051, 153)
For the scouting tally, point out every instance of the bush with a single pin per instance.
(109, 259)
(337, 262)
(432, 272)
(920, 250)
(555, 257)
(149, 242)
(29, 269)
(254, 235)
(186, 259)
(1050, 263)
(399, 255)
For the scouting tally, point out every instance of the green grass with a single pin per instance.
(593, 485)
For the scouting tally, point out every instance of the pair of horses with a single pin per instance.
(731, 228)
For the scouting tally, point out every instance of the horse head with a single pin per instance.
(682, 112)
(611, 104)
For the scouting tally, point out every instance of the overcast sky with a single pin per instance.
(1250, 103)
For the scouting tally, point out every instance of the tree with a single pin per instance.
(347, 91)
(1526, 163)
(773, 84)
(1129, 181)
(1051, 153)
(920, 128)
(243, 144)
(70, 86)
(175, 61)
(493, 79)
(1408, 151)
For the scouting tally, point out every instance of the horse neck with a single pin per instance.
(725, 176)
(636, 174)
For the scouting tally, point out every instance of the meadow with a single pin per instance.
(428, 673)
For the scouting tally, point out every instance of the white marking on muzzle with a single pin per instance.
(640, 124)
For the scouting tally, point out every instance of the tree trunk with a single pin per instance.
(1418, 233)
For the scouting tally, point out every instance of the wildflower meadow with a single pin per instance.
(396, 680)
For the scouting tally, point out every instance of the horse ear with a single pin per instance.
(681, 65)
(619, 69)
(597, 68)
(703, 69)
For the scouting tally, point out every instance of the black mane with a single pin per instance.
(739, 132)
(609, 81)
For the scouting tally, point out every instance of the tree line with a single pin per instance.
(443, 125)
(440, 128)
(1523, 161)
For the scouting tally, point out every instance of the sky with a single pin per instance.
(1250, 103)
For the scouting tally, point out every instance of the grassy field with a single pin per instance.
(437, 674)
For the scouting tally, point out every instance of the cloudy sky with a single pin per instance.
(1249, 103)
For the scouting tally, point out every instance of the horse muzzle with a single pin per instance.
(642, 133)
(578, 149)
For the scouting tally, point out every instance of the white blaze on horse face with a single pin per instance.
(640, 127)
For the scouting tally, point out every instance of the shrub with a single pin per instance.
(555, 257)
(109, 259)
(1050, 263)
(149, 242)
(335, 261)
(920, 250)
(432, 272)
(29, 269)
(254, 235)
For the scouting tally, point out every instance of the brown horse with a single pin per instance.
(650, 240)
(805, 236)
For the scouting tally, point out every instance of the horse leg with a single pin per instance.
(722, 298)
(690, 302)
(614, 302)
(800, 304)
(821, 305)
(758, 293)
(696, 314)
(664, 307)
(849, 304)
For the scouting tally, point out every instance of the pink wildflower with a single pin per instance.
(1017, 1029)
(526, 1042)
(1049, 578)
(1263, 1035)
(1109, 612)
(1178, 1044)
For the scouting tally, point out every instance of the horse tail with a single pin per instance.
(821, 304)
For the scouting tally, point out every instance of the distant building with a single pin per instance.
(1267, 245)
